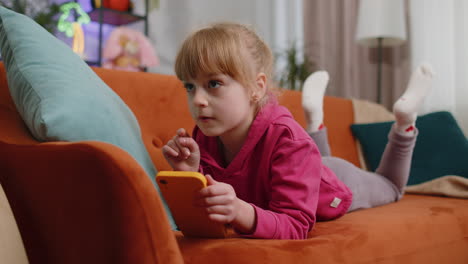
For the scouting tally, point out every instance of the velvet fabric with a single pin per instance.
(82, 212)
(83, 202)
(418, 229)
(90, 202)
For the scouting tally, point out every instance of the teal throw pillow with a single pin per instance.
(441, 147)
(59, 96)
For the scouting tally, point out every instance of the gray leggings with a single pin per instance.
(369, 189)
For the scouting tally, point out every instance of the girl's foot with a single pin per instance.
(406, 107)
(313, 92)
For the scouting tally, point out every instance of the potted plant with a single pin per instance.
(296, 71)
(46, 17)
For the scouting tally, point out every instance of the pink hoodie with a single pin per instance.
(279, 171)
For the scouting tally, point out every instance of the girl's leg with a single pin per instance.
(312, 99)
(320, 138)
(395, 163)
(312, 103)
(369, 189)
(385, 186)
(373, 189)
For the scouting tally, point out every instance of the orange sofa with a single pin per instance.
(90, 202)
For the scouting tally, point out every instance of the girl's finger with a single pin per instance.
(189, 143)
(182, 143)
(218, 200)
(211, 190)
(210, 201)
(219, 209)
(210, 180)
(167, 150)
(182, 133)
(183, 151)
(173, 146)
(224, 219)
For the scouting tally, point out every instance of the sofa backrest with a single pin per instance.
(159, 103)
(338, 117)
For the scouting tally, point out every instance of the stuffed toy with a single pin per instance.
(120, 5)
(128, 49)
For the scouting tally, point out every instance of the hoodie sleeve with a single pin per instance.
(295, 183)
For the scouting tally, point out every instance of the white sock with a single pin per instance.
(312, 99)
(406, 107)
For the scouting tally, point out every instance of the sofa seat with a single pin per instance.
(417, 229)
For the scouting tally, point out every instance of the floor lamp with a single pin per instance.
(381, 23)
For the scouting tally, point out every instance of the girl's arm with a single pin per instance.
(295, 183)
(222, 205)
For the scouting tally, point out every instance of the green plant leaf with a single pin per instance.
(295, 72)
(46, 18)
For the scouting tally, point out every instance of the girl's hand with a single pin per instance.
(182, 152)
(223, 206)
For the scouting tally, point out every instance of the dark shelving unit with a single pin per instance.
(106, 16)
(114, 17)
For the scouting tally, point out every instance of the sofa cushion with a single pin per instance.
(58, 95)
(417, 229)
(441, 147)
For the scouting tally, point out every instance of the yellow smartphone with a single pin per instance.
(178, 189)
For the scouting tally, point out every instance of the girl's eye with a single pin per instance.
(214, 84)
(189, 87)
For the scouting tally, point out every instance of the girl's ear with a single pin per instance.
(260, 87)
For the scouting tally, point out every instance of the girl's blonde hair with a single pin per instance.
(226, 48)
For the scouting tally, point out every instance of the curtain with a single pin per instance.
(329, 41)
(440, 36)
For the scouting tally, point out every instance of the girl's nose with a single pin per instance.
(199, 98)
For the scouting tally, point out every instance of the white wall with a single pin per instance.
(175, 19)
(439, 36)
(278, 22)
(461, 78)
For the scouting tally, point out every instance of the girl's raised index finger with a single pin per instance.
(182, 133)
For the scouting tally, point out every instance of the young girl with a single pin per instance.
(266, 177)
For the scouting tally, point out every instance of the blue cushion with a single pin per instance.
(441, 147)
(58, 95)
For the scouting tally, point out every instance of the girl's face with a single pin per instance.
(220, 105)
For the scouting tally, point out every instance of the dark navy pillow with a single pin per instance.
(441, 147)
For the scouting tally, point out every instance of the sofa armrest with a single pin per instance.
(11, 245)
(85, 202)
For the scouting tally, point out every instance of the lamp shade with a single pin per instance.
(381, 19)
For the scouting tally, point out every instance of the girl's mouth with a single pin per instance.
(205, 118)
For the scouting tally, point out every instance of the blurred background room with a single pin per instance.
(369, 48)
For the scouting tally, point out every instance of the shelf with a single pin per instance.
(93, 63)
(114, 17)
(107, 16)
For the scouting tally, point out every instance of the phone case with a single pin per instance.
(178, 189)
